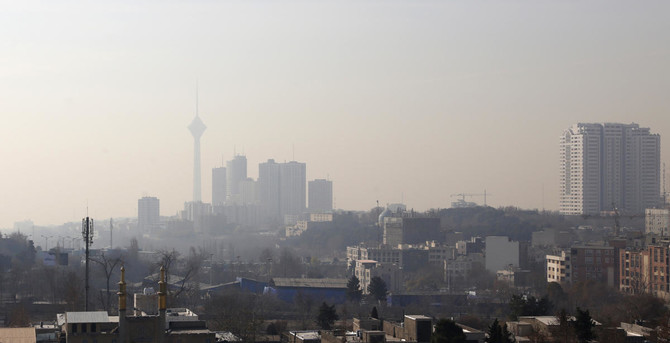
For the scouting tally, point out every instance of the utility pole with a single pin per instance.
(87, 234)
(111, 227)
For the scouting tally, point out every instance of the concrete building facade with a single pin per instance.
(501, 253)
(218, 186)
(320, 195)
(597, 263)
(292, 188)
(559, 268)
(148, 213)
(236, 172)
(606, 166)
(657, 221)
(645, 270)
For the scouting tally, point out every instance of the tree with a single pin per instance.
(108, 265)
(190, 271)
(446, 331)
(276, 327)
(167, 258)
(19, 317)
(584, 326)
(374, 314)
(563, 332)
(522, 305)
(377, 288)
(354, 291)
(134, 249)
(237, 312)
(499, 333)
(327, 316)
(663, 329)
(289, 265)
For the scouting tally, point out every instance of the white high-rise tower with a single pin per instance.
(607, 166)
(197, 128)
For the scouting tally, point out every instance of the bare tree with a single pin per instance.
(167, 259)
(186, 270)
(108, 265)
(190, 271)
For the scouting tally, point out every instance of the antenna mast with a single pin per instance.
(111, 228)
(196, 97)
(87, 234)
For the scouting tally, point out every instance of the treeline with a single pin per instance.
(346, 229)
(488, 221)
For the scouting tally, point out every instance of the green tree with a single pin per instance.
(446, 331)
(374, 314)
(564, 331)
(522, 305)
(584, 326)
(354, 291)
(327, 316)
(499, 333)
(377, 288)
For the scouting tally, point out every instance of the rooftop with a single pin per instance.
(306, 335)
(417, 317)
(18, 335)
(313, 283)
(86, 317)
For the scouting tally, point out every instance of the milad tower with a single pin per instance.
(197, 128)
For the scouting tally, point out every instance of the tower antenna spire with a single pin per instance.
(197, 128)
(196, 97)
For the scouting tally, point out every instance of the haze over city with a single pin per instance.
(391, 100)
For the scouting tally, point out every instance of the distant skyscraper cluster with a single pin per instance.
(278, 196)
(280, 191)
(609, 165)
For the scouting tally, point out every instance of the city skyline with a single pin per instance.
(408, 102)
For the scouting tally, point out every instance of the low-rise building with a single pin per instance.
(595, 262)
(287, 289)
(559, 268)
(645, 270)
(657, 221)
(501, 252)
(391, 273)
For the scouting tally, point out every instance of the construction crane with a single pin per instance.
(617, 222)
(463, 195)
(617, 219)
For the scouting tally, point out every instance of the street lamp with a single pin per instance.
(46, 242)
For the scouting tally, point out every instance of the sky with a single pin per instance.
(393, 101)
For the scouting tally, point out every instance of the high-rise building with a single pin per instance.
(268, 188)
(248, 193)
(282, 189)
(197, 128)
(292, 188)
(218, 186)
(148, 213)
(607, 166)
(236, 172)
(320, 195)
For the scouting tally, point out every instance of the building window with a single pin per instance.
(74, 328)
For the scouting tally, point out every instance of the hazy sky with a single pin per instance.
(390, 99)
